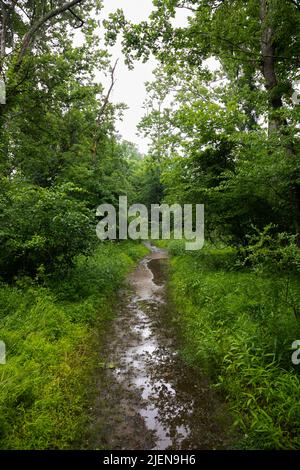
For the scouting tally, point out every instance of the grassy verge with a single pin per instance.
(48, 332)
(239, 326)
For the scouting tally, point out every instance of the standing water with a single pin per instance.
(148, 397)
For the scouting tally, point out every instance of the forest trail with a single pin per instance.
(147, 397)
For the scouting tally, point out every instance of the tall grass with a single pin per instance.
(239, 326)
(49, 333)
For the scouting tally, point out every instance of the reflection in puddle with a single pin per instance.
(163, 404)
(148, 298)
(173, 404)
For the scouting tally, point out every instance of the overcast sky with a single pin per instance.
(130, 88)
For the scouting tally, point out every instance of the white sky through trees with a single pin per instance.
(130, 88)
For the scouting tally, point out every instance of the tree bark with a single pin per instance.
(268, 52)
(276, 124)
(3, 34)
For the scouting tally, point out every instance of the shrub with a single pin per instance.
(269, 250)
(42, 228)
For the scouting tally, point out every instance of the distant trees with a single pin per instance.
(230, 138)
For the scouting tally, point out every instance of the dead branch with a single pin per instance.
(103, 108)
(106, 99)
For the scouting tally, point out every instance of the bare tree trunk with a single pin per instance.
(268, 52)
(277, 124)
(3, 34)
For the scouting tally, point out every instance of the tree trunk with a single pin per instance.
(268, 53)
(276, 124)
(3, 35)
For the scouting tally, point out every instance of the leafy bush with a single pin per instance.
(269, 250)
(42, 227)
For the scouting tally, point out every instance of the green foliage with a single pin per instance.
(228, 139)
(272, 251)
(239, 326)
(96, 274)
(60, 157)
(146, 179)
(42, 228)
(49, 334)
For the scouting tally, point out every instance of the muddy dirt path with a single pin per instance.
(147, 398)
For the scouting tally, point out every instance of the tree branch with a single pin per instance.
(103, 108)
(29, 36)
(81, 22)
(194, 10)
(106, 99)
(297, 5)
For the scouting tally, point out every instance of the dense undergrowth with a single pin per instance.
(48, 329)
(238, 324)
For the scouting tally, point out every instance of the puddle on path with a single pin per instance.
(149, 398)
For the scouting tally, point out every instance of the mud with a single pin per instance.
(147, 397)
